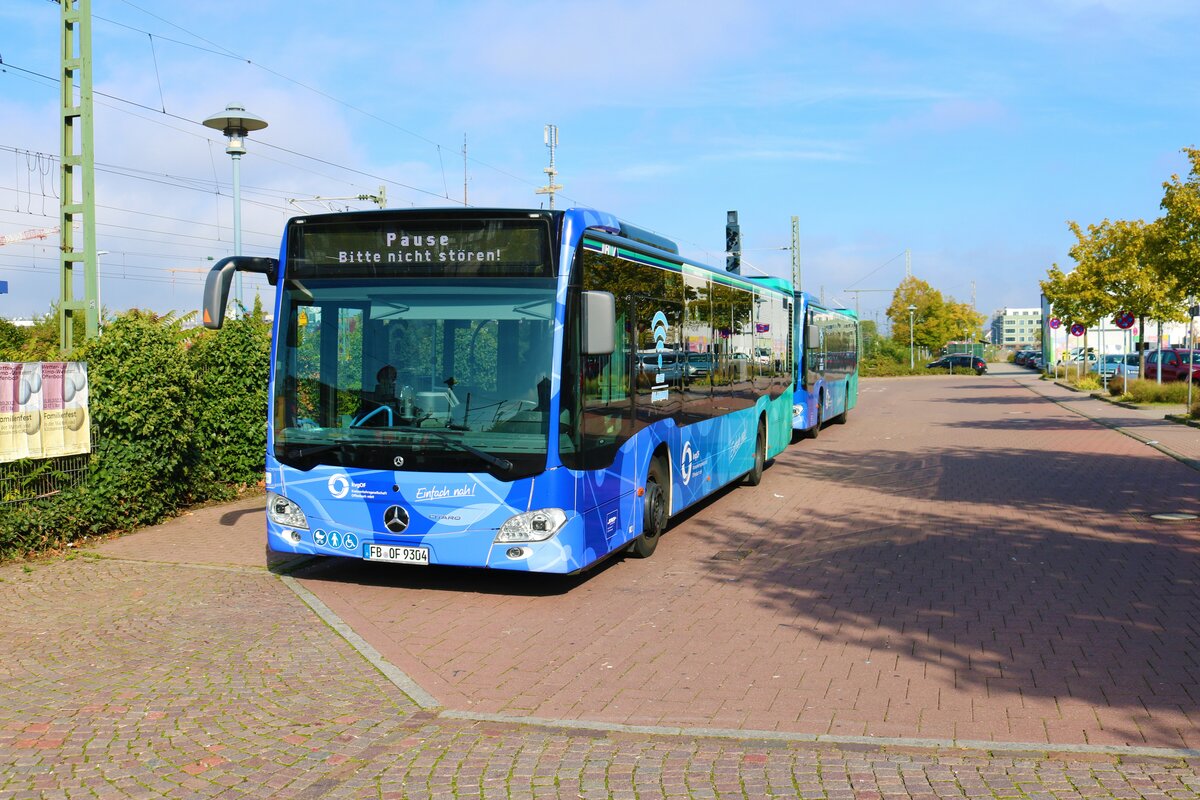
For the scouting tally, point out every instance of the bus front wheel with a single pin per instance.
(654, 512)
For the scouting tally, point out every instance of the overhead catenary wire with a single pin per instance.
(226, 52)
(217, 49)
(259, 141)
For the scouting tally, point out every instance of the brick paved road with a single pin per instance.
(977, 562)
(963, 561)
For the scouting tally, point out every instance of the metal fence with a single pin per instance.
(33, 478)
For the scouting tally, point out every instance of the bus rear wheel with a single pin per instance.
(654, 512)
(754, 476)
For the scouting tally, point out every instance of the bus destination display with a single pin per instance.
(382, 248)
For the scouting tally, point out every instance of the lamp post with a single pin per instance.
(235, 122)
(1193, 312)
(912, 364)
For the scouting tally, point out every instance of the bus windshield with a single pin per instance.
(429, 375)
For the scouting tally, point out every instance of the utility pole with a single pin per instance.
(856, 293)
(796, 253)
(464, 170)
(550, 135)
(78, 177)
(907, 263)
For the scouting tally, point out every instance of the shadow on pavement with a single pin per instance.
(1000, 578)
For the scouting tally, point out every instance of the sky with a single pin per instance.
(964, 135)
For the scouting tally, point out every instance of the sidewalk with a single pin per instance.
(1147, 425)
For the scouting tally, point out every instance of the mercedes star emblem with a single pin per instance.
(395, 519)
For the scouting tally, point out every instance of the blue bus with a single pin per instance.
(509, 389)
(826, 365)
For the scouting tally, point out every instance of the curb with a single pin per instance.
(1182, 419)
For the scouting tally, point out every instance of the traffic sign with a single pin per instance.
(1078, 329)
(1055, 322)
(1125, 320)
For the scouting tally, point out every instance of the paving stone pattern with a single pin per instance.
(964, 560)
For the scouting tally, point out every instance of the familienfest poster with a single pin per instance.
(43, 410)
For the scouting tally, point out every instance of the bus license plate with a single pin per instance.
(398, 555)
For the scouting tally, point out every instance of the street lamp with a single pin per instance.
(235, 122)
(912, 364)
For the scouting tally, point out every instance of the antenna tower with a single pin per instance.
(550, 136)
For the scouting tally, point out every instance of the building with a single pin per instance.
(1017, 328)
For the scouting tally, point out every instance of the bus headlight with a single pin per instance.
(285, 512)
(532, 526)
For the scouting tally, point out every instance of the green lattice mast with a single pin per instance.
(78, 206)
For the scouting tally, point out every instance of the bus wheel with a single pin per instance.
(754, 476)
(840, 419)
(815, 430)
(654, 512)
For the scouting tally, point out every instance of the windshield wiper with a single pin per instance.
(482, 455)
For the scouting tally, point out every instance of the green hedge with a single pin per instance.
(178, 417)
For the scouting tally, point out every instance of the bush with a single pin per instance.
(141, 384)
(884, 367)
(177, 417)
(232, 366)
(1087, 383)
(1116, 386)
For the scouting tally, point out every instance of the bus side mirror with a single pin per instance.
(812, 337)
(216, 284)
(599, 323)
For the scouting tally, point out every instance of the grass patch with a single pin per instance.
(1151, 392)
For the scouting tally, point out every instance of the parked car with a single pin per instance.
(960, 362)
(699, 365)
(1036, 361)
(1175, 363)
(1118, 365)
(1075, 360)
(671, 369)
(1022, 356)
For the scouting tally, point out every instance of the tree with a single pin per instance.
(12, 340)
(1178, 247)
(41, 343)
(936, 321)
(1117, 271)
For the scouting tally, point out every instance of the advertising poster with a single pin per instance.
(20, 411)
(65, 429)
(43, 410)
